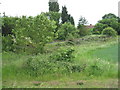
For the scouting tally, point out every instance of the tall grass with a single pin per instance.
(87, 63)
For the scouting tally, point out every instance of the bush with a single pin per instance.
(83, 31)
(33, 33)
(64, 55)
(98, 28)
(67, 31)
(109, 32)
(8, 23)
(7, 43)
(100, 67)
(59, 63)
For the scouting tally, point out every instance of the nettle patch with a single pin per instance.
(61, 62)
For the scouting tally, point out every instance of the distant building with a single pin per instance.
(53, 0)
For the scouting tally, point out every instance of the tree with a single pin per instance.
(82, 21)
(81, 27)
(33, 33)
(54, 16)
(71, 19)
(8, 24)
(64, 15)
(109, 32)
(108, 20)
(118, 20)
(109, 16)
(67, 31)
(111, 22)
(54, 7)
(98, 28)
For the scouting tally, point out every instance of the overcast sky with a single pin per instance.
(92, 10)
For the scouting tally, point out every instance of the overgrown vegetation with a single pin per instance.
(109, 32)
(63, 62)
(42, 48)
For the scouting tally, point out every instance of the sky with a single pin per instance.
(92, 10)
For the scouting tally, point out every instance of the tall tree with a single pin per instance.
(109, 16)
(82, 28)
(108, 20)
(8, 23)
(54, 6)
(33, 33)
(72, 20)
(64, 15)
(67, 31)
(82, 22)
(54, 16)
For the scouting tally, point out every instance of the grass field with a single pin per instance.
(102, 55)
(109, 53)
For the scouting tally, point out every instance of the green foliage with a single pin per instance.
(98, 28)
(64, 55)
(1, 23)
(67, 31)
(82, 21)
(108, 20)
(112, 22)
(83, 31)
(62, 62)
(99, 67)
(36, 67)
(109, 32)
(54, 6)
(33, 33)
(64, 15)
(7, 43)
(8, 24)
(28, 68)
(118, 30)
(54, 16)
(71, 19)
(81, 27)
(109, 16)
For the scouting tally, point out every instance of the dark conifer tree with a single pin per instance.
(54, 7)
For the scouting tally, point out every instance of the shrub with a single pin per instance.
(67, 31)
(63, 55)
(8, 23)
(98, 28)
(109, 32)
(33, 33)
(100, 67)
(59, 64)
(83, 31)
(7, 43)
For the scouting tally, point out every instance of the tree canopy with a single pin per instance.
(54, 6)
